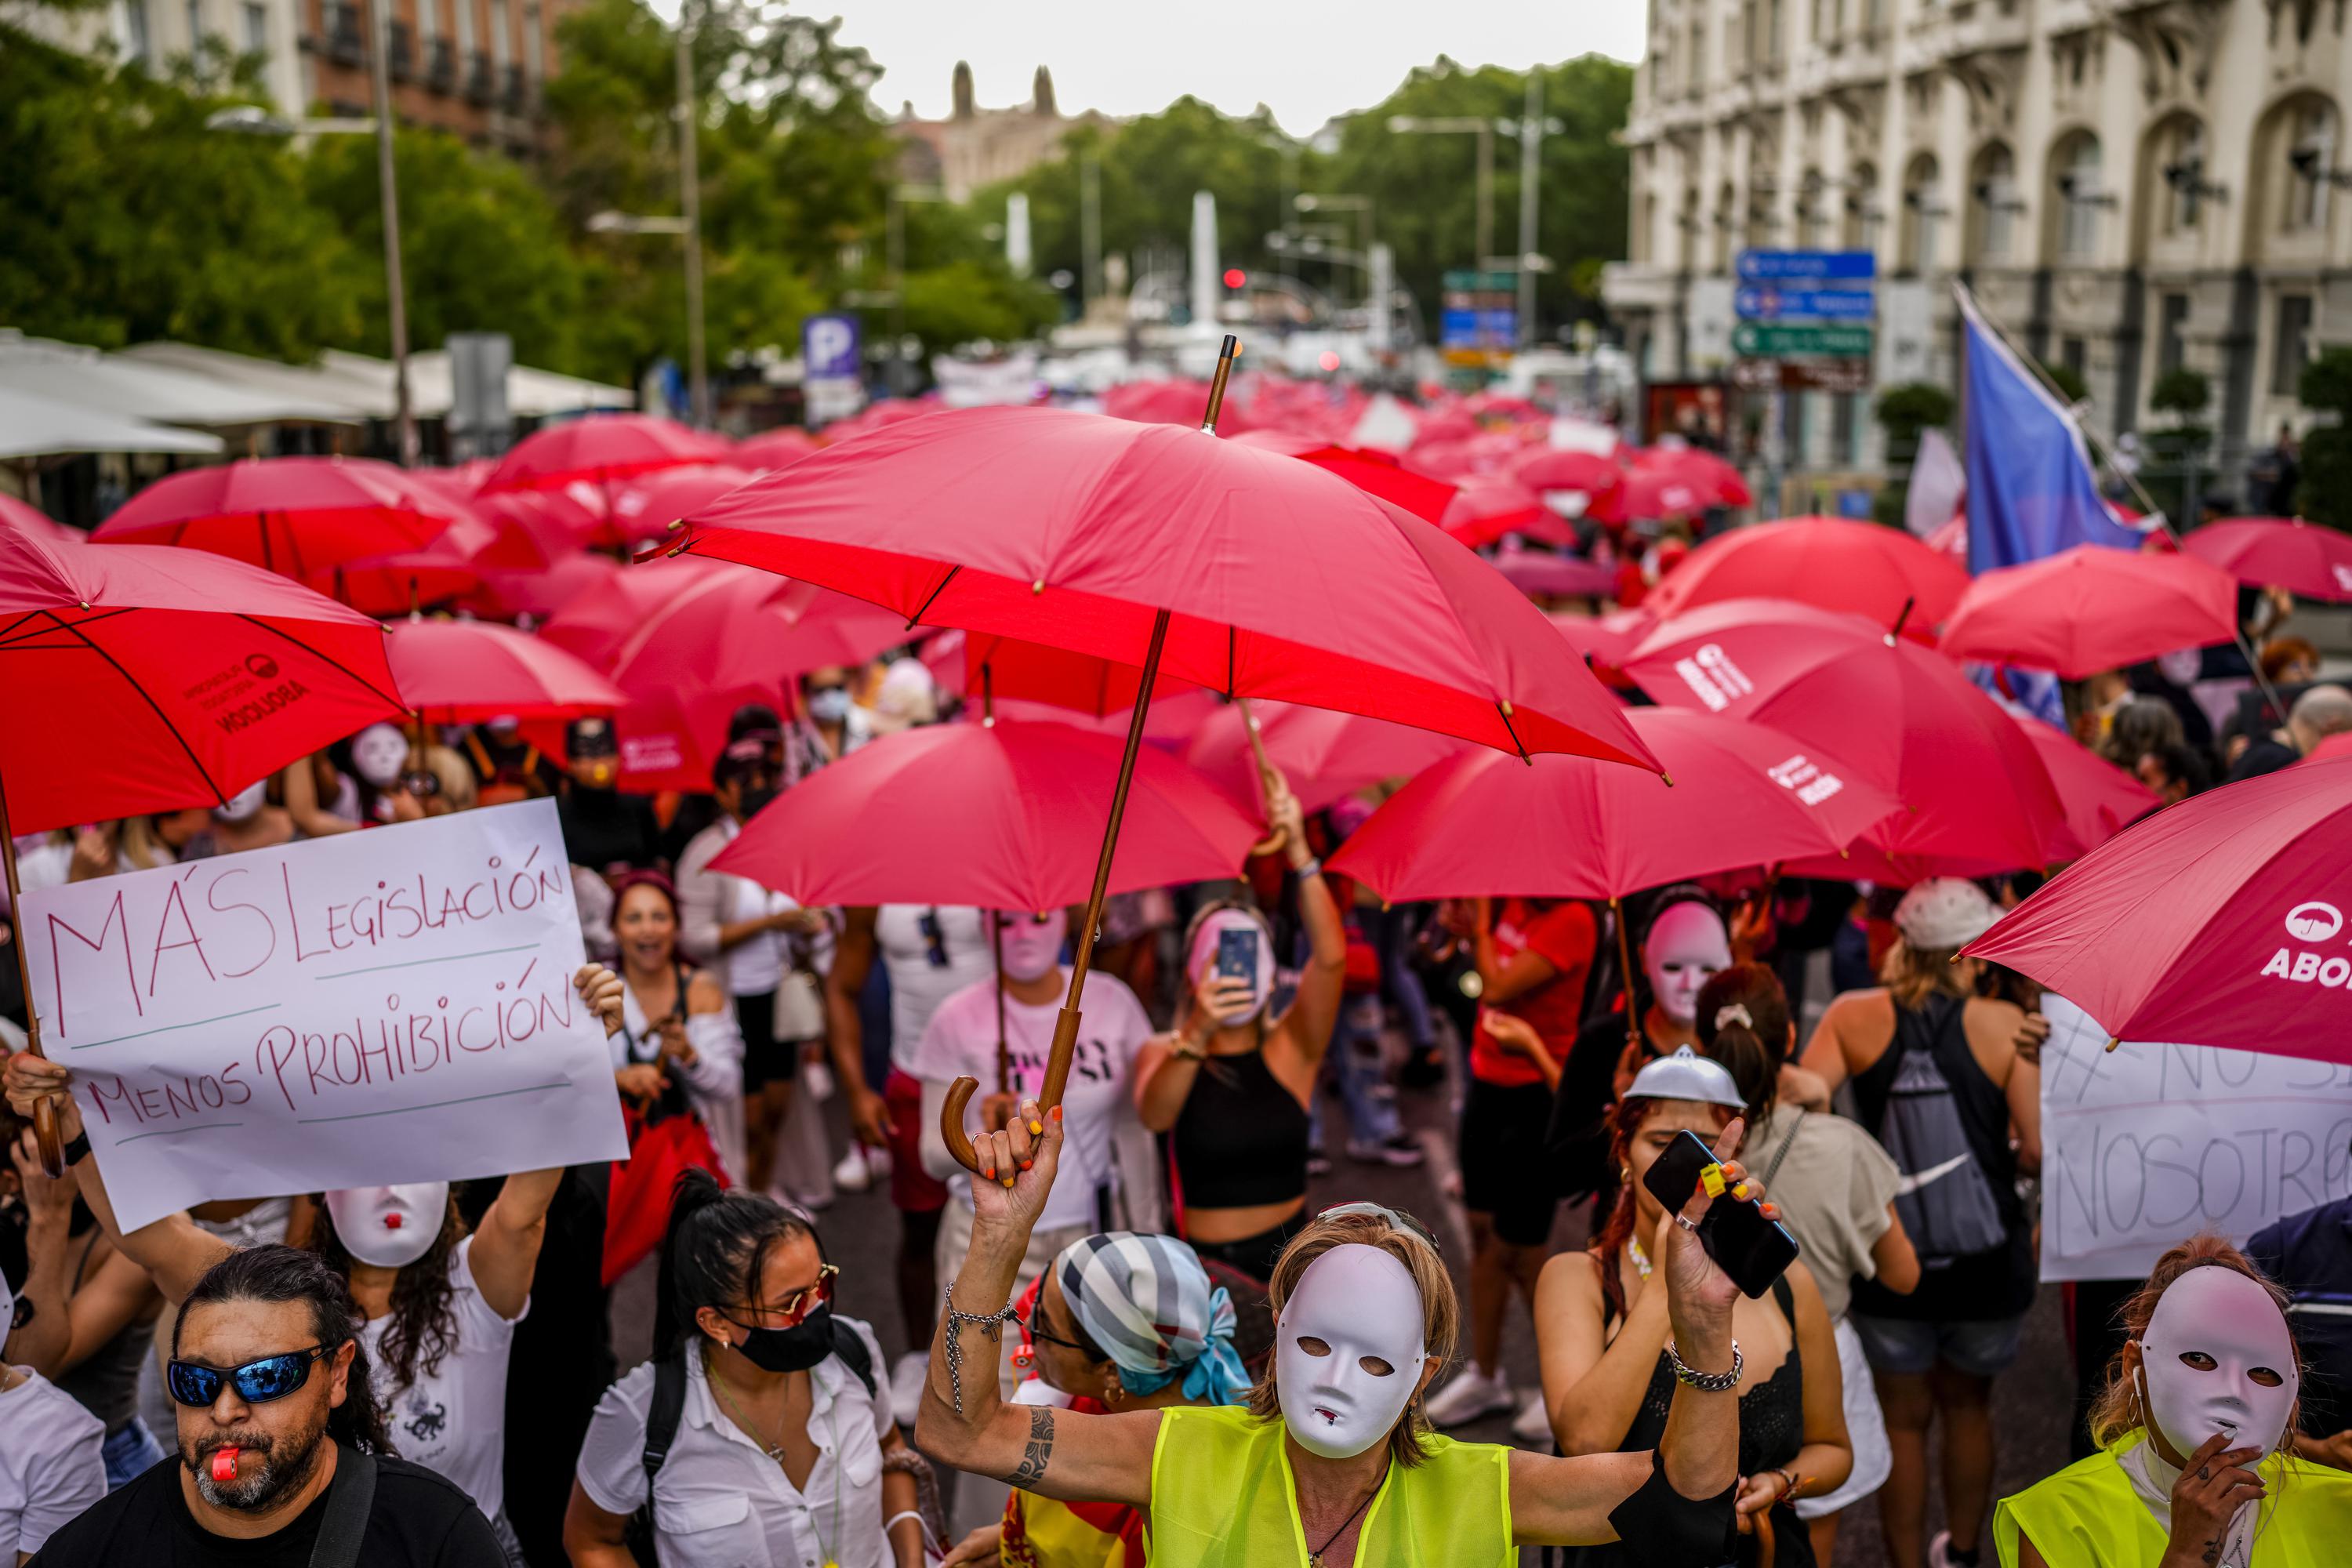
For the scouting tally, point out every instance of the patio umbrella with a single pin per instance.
(207, 673)
(2305, 559)
(1882, 575)
(2091, 608)
(293, 516)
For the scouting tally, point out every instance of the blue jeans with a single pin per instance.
(1354, 1068)
(1392, 931)
(130, 1452)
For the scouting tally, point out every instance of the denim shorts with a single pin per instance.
(1980, 1347)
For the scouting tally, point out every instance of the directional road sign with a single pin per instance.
(1806, 266)
(1753, 340)
(1772, 302)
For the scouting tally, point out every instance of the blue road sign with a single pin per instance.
(1805, 266)
(1770, 302)
(829, 348)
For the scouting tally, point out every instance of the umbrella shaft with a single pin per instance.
(44, 1111)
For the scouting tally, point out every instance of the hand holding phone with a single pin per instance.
(1749, 1248)
(1237, 954)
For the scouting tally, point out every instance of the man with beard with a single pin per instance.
(283, 1458)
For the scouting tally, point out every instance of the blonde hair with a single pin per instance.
(455, 776)
(2115, 1412)
(1441, 1311)
(1912, 975)
(138, 847)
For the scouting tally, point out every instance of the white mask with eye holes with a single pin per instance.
(244, 804)
(1686, 947)
(2217, 1358)
(1348, 1351)
(378, 754)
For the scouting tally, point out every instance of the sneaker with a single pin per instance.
(1470, 1395)
(1531, 1427)
(861, 1168)
(906, 1376)
(1397, 1150)
(1423, 1068)
(1318, 1164)
(1939, 1552)
(817, 1078)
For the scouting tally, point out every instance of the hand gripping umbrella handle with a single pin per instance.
(960, 1093)
(45, 1109)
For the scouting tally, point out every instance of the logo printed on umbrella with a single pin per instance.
(1801, 775)
(2314, 921)
(1713, 678)
(261, 665)
(2344, 576)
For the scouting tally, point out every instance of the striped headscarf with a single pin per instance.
(1147, 1301)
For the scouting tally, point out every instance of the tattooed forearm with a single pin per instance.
(1040, 1451)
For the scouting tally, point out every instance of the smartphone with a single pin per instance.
(1753, 1250)
(1237, 954)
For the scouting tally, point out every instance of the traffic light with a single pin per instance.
(1235, 278)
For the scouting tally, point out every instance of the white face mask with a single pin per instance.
(1032, 948)
(2217, 1358)
(378, 753)
(1685, 948)
(830, 706)
(389, 1227)
(1348, 1351)
(244, 804)
(1203, 957)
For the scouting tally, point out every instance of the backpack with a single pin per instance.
(1946, 1202)
(668, 1409)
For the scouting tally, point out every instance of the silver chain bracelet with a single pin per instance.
(992, 1325)
(1706, 1381)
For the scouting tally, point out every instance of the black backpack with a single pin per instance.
(668, 1409)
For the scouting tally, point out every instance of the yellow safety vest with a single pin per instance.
(2088, 1516)
(1222, 1497)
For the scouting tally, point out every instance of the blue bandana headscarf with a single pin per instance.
(1147, 1301)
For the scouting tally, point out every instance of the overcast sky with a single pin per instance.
(1307, 60)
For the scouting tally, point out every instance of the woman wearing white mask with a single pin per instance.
(1330, 1463)
(2197, 1468)
(1233, 1081)
(247, 820)
(440, 1304)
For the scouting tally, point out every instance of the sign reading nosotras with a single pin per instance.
(390, 1005)
(2147, 1145)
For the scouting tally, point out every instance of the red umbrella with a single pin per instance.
(643, 509)
(2304, 558)
(1325, 756)
(1543, 575)
(24, 518)
(1374, 472)
(2091, 608)
(1563, 468)
(986, 670)
(1606, 639)
(507, 595)
(1705, 472)
(1742, 795)
(1158, 402)
(962, 814)
(1170, 724)
(174, 679)
(294, 516)
(468, 672)
(1904, 717)
(2100, 799)
(382, 586)
(600, 449)
(1486, 507)
(1649, 493)
(2218, 922)
(1874, 572)
(778, 448)
(1237, 569)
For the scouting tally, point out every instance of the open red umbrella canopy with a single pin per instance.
(2304, 558)
(294, 516)
(1831, 563)
(1742, 795)
(468, 672)
(1486, 507)
(1004, 817)
(778, 448)
(397, 584)
(2100, 798)
(1649, 493)
(985, 670)
(600, 449)
(23, 517)
(2218, 922)
(143, 678)
(1593, 474)
(643, 509)
(509, 592)
(1277, 579)
(1376, 472)
(1714, 480)
(1323, 756)
(1543, 575)
(1976, 800)
(2091, 608)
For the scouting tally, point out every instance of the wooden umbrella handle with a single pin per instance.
(46, 1134)
(45, 1110)
(960, 1092)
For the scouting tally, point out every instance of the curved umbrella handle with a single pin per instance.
(960, 1092)
(44, 1132)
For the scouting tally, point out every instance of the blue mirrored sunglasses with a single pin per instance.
(257, 1382)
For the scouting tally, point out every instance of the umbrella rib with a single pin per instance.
(1231, 637)
(915, 620)
(169, 727)
(1502, 713)
(11, 639)
(324, 658)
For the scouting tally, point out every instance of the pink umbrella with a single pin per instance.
(397, 584)
(465, 672)
(2218, 922)
(1705, 472)
(2091, 608)
(1486, 507)
(1547, 576)
(599, 449)
(644, 508)
(27, 519)
(1882, 575)
(2304, 558)
(556, 522)
(1561, 469)
(1325, 756)
(2101, 800)
(508, 593)
(294, 516)
(1375, 473)
(778, 448)
(1607, 639)
(1649, 492)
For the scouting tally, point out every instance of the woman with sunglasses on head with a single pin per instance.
(437, 1304)
(1232, 1082)
(777, 1442)
(1331, 1463)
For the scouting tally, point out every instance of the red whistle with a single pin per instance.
(392, 1222)
(225, 1465)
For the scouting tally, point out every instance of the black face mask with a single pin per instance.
(795, 1348)
(753, 800)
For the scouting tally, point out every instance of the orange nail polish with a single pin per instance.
(1008, 1184)
(1057, 1114)
(1025, 1164)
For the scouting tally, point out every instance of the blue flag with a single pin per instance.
(2030, 490)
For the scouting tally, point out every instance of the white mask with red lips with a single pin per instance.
(1349, 1350)
(389, 1227)
(2217, 1357)
(1686, 947)
(1029, 948)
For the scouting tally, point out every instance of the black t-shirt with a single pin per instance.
(419, 1520)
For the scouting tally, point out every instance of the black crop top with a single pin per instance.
(1241, 1139)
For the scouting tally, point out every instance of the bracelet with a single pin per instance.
(1705, 1382)
(1314, 867)
(905, 1513)
(1188, 1049)
(1790, 1483)
(77, 1149)
(990, 1324)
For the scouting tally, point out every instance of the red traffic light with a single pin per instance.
(1235, 278)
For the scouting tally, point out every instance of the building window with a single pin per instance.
(135, 40)
(1922, 215)
(2171, 341)
(2074, 354)
(501, 36)
(463, 10)
(428, 21)
(256, 29)
(2311, 158)
(1845, 430)
(1994, 192)
(2079, 198)
(2183, 150)
(2292, 344)
(531, 43)
(1772, 31)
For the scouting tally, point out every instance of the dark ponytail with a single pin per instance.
(1743, 1023)
(714, 1252)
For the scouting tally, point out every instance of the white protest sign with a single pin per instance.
(390, 1005)
(2147, 1145)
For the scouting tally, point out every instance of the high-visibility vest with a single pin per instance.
(2088, 1516)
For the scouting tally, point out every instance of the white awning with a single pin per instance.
(300, 384)
(140, 390)
(531, 394)
(31, 426)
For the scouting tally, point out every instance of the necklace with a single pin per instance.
(1315, 1558)
(775, 1451)
(1641, 1258)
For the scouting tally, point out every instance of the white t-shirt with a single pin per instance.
(455, 1420)
(50, 1467)
(918, 985)
(721, 1502)
(963, 1039)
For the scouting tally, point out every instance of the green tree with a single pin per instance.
(2067, 380)
(2325, 387)
(1906, 411)
(2178, 446)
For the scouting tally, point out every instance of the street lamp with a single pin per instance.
(1471, 125)
(899, 196)
(1339, 201)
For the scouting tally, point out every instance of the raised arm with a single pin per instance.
(1592, 1384)
(852, 960)
(964, 1422)
(1314, 1011)
(42, 1342)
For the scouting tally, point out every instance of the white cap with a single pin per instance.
(1687, 1074)
(1945, 912)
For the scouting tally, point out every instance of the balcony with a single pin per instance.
(515, 93)
(481, 80)
(339, 37)
(400, 56)
(441, 64)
